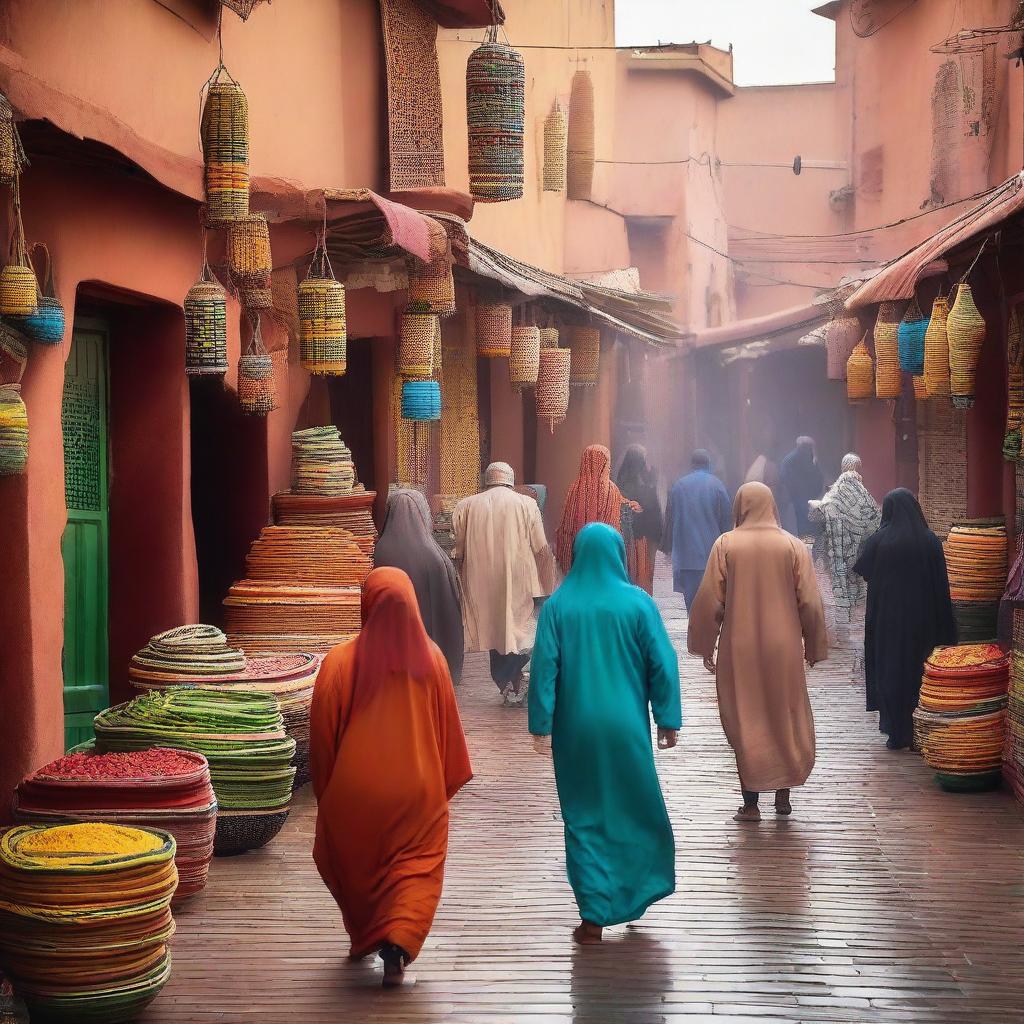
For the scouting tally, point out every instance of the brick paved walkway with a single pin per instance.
(883, 899)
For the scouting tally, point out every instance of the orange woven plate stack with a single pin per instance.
(976, 558)
(307, 554)
(352, 513)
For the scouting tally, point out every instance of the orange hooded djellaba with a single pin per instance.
(387, 753)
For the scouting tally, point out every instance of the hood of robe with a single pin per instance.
(599, 558)
(755, 506)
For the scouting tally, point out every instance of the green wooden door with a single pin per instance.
(84, 547)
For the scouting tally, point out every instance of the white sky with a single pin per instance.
(775, 42)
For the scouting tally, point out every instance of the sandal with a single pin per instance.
(587, 934)
(747, 813)
(395, 959)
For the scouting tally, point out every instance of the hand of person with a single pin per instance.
(709, 664)
(667, 738)
(542, 745)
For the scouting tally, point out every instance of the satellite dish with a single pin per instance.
(798, 164)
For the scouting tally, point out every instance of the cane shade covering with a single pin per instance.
(321, 463)
(841, 337)
(85, 918)
(965, 329)
(556, 137)
(888, 376)
(860, 374)
(352, 513)
(942, 465)
(936, 350)
(1014, 386)
(495, 116)
(156, 788)
(580, 142)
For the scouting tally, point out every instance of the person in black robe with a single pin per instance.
(909, 612)
(801, 481)
(639, 484)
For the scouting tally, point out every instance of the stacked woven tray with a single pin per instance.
(307, 554)
(158, 788)
(188, 654)
(241, 734)
(85, 919)
(960, 720)
(353, 513)
(321, 463)
(976, 561)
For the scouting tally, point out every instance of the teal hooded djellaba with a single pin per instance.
(602, 662)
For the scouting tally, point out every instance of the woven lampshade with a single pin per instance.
(860, 373)
(549, 337)
(524, 356)
(841, 338)
(417, 336)
(224, 129)
(910, 339)
(206, 327)
(493, 329)
(495, 113)
(584, 344)
(888, 377)
(257, 393)
(556, 137)
(12, 156)
(435, 290)
(323, 335)
(256, 298)
(248, 249)
(552, 392)
(580, 174)
(965, 329)
(421, 400)
(936, 349)
(18, 290)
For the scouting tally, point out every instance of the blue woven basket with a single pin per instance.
(421, 400)
(910, 337)
(46, 324)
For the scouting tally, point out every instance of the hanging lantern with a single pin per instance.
(417, 336)
(323, 337)
(256, 299)
(46, 325)
(910, 339)
(580, 174)
(888, 378)
(12, 155)
(495, 115)
(248, 248)
(549, 337)
(965, 329)
(13, 431)
(556, 135)
(841, 338)
(206, 325)
(552, 392)
(524, 356)
(936, 349)
(224, 130)
(1014, 387)
(860, 373)
(421, 400)
(584, 344)
(493, 329)
(257, 395)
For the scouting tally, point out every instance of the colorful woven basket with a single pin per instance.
(323, 336)
(860, 373)
(321, 463)
(841, 337)
(965, 329)
(549, 337)
(556, 137)
(431, 284)
(13, 431)
(584, 344)
(12, 154)
(421, 400)
(224, 130)
(46, 325)
(524, 356)
(552, 393)
(248, 249)
(888, 377)
(18, 290)
(206, 326)
(936, 350)
(257, 393)
(495, 112)
(580, 143)
(417, 335)
(493, 329)
(910, 339)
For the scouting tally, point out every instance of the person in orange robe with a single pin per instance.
(387, 754)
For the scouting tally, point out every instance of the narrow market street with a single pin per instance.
(882, 899)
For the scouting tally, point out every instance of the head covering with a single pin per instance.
(592, 498)
(850, 515)
(701, 459)
(599, 557)
(754, 505)
(638, 483)
(499, 474)
(902, 511)
(851, 463)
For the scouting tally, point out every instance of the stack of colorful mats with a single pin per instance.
(158, 788)
(321, 463)
(85, 919)
(353, 513)
(1013, 752)
(188, 653)
(307, 554)
(241, 734)
(960, 720)
(289, 677)
(977, 564)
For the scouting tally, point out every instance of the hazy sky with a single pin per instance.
(775, 42)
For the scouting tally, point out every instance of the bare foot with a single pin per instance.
(587, 934)
(782, 804)
(747, 812)
(395, 958)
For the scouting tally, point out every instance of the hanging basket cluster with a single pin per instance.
(860, 373)
(888, 378)
(206, 326)
(495, 114)
(841, 338)
(224, 130)
(524, 355)
(323, 336)
(580, 173)
(46, 324)
(965, 329)
(556, 138)
(936, 350)
(493, 330)
(910, 337)
(552, 393)
(584, 344)
(257, 393)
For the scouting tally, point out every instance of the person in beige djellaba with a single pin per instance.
(505, 562)
(759, 605)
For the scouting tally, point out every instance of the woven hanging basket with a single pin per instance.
(12, 155)
(256, 300)
(206, 327)
(841, 338)
(224, 130)
(257, 394)
(435, 290)
(936, 350)
(417, 336)
(860, 373)
(1014, 386)
(524, 356)
(493, 329)
(552, 392)
(888, 377)
(920, 387)
(580, 145)
(421, 400)
(584, 344)
(910, 339)
(13, 431)
(549, 337)
(248, 248)
(46, 325)
(323, 331)
(556, 137)
(965, 329)
(495, 113)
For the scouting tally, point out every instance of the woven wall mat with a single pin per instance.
(942, 464)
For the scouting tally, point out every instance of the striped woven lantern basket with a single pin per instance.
(524, 356)
(556, 137)
(860, 373)
(495, 116)
(417, 333)
(910, 339)
(552, 392)
(888, 377)
(493, 329)
(224, 130)
(965, 329)
(13, 431)
(257, 392)
(936, 350)
(46, 324)
(248, 248)
(206, 327)
(841, 337)
(421, 400)
(323, 333)
(584, 344)
(549, 337)
(580, 143)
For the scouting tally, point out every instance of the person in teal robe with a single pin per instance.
(602, 661)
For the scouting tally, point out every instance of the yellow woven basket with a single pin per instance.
(936, 350)
(493, 329)
(417, 336)
(556, 135)
(18, 290)
(224, 129)
(860, 373)
(584, 344)
(524, 356)
(965, 330)
(323, 336)
(248, 247)
(888, 377)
